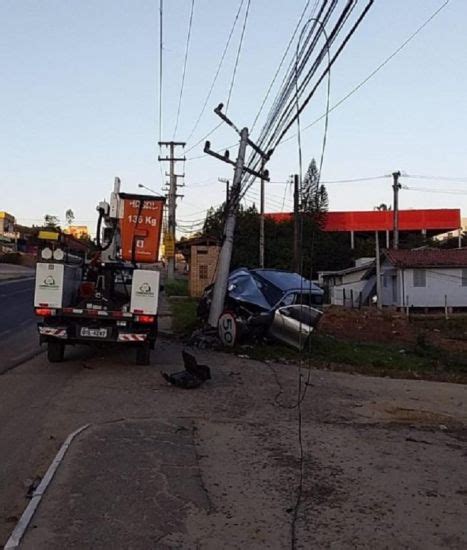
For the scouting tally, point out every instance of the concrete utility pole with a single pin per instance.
(169, 240)
(396, 186)
(296, 224)
(261, 220)
(220, 285)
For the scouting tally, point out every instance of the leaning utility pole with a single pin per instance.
(296, 224)
(261, 220)
(169, 240)
(396, 186)
(220, 285)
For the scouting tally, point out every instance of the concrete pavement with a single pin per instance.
(218, 467)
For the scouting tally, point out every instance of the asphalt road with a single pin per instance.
(18, 334)
(217, 467)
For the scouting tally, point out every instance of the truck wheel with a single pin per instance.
(55, 352)
(143, 355)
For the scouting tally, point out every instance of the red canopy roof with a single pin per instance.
(446, 219)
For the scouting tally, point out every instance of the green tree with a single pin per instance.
(315, 200)
(51, 221)
(69, 216)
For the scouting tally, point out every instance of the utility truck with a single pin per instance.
(108, 296)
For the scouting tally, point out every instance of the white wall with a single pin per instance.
(440, 283)
(352, 290)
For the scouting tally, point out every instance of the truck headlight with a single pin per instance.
(46, 253)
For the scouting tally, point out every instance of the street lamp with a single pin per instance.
(149, 189)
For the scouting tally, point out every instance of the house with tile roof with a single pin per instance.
(425, 278)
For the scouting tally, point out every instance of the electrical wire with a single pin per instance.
(160, 67)
(184, 66)
(377, 69)
(247, 11)
(239, 49)
(354, 180)
(214, 80)
(442, 191)
(442, 178)
(284, 111)
(260, 110)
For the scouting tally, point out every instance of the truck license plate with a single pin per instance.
(93, 332)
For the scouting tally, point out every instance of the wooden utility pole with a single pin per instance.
(220, 285)
(396, 186)
(261, 220)
(169, 240)
(296, 224)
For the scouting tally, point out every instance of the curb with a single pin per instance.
(25, 519)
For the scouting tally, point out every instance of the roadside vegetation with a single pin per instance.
(378, 359)
(184, 319)
(177, 287)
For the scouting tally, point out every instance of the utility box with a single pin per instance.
(145, 292)
(56, 284)
(140, 227)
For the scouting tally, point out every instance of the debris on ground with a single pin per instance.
(193, 375)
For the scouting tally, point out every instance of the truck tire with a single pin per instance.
(55, 352)
(143, 354)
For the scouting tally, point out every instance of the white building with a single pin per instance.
(425, 278)
(351, 287)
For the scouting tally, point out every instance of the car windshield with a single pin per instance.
(270, 291)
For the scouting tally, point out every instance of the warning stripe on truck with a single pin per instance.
(126, 337)
(50, 331)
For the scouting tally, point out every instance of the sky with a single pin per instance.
(79, 103)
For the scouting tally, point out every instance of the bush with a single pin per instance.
(178, 287)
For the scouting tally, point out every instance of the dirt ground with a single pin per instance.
(393, 327)
(218, 467)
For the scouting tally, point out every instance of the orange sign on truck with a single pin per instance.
(140, 227)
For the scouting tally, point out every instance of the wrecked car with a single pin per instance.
(269, 303)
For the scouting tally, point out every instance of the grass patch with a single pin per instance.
(177, 287)
(184, 320)
(421, 361)
(455, 327)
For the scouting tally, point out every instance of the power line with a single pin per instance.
(238, 55)
(354, 180)
(216, 73)
(378, 68)
(443, 191)
(184, 65)
(284, 112)
(160, 67)
(442, 178)
(281, 63)
(239, 49)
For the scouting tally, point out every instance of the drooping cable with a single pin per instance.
(376, 70)
(260, 110)
(184, 66)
